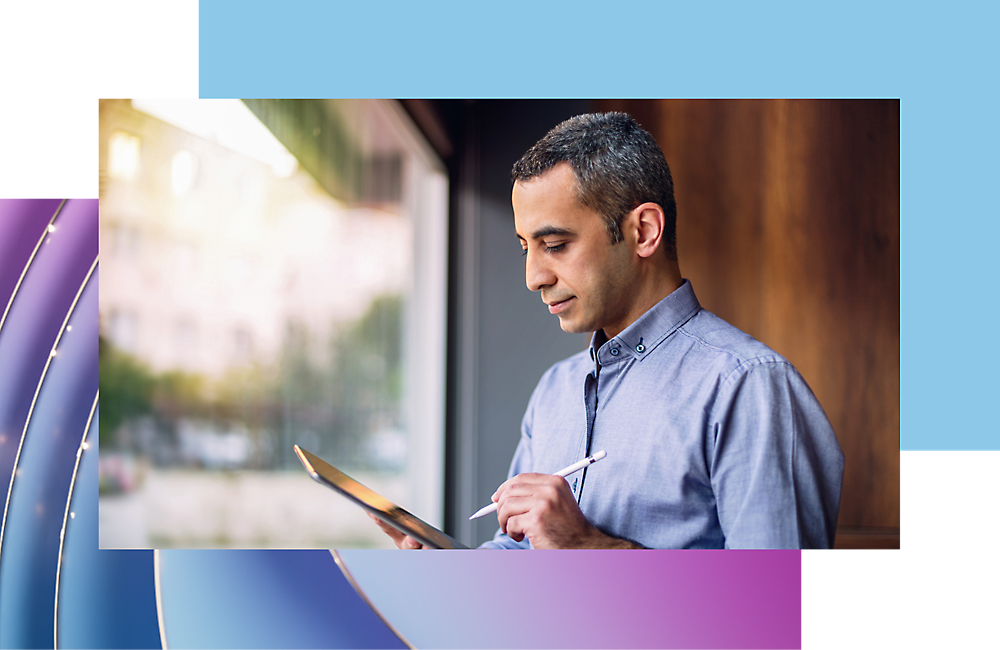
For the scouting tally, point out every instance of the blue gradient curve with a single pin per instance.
(41, 484)
(264, 599)
(106, 598)
(46, 263)
(35, 319)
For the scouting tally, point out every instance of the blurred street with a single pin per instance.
(197, 509)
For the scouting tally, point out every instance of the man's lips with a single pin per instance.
(559, 305)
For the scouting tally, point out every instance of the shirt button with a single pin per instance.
(640, 348)
(614, 352)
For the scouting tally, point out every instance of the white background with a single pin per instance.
(58, 58)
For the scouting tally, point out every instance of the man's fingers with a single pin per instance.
(524, 484)
(512, 507)
(524, 500)
(545, 494)
(515, 528)
(532, 479)
(386, 528)
(398, 538)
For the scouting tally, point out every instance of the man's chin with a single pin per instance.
(570, 326)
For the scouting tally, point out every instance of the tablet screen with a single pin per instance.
(325, 473)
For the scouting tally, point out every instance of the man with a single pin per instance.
(713, 440)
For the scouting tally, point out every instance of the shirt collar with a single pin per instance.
(649, 330)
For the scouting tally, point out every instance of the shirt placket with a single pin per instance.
(590, 404)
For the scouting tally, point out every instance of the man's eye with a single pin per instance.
(548, 249)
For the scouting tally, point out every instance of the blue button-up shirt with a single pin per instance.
(713, 439)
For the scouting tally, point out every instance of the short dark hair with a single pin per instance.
(617, 164)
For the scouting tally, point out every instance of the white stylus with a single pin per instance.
(575, 467)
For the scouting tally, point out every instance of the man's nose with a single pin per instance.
(537, 274)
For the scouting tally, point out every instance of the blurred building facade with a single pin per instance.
(209, 255)
(250, 302)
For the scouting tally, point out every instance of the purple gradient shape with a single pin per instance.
(36, 316)
(22, 222)
(586, 599)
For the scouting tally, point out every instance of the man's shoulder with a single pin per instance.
(731, 346)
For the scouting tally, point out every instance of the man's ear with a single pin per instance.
(648, 222)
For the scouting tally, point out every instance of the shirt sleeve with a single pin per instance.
(776, 465)
(520, 464)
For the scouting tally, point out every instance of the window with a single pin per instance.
(123, 155)
(291, 299)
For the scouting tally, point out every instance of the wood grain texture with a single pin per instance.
(788, 227)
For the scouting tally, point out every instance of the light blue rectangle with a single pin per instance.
(587, 48)
(941, 64)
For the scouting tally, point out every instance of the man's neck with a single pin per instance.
(655, 284)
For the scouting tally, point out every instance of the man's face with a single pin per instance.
(584, 279)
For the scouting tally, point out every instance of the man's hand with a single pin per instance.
(542, 507)
(398, 538)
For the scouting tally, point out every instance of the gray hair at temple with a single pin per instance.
(617, 164)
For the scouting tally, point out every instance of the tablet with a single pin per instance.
(325, 473)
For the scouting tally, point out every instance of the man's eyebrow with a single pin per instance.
(545, 231)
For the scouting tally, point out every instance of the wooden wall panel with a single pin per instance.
(718, 224)
(788, 227)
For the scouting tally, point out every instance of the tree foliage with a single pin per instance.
(335, 394)
(126, 387)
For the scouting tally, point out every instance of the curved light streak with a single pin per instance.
(38, 389)
(62, 534)
(159, 599)
(347, 574)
